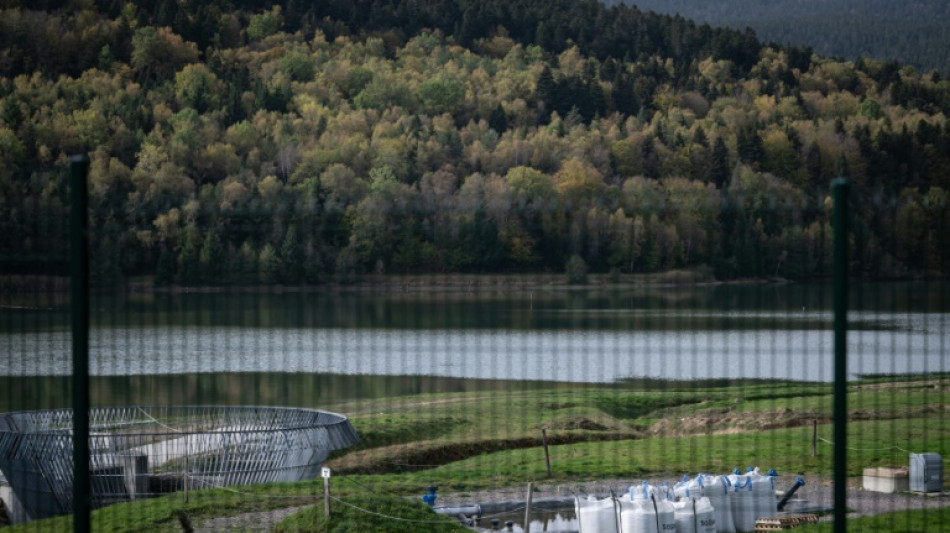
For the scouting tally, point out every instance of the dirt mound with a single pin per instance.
(424, 455)
(575, 422)
(719, 421)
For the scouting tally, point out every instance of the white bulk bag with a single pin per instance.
(719, 491)
(665, 513)
(636, 511)
(685, 513)
(689, 488)
(595, 515)
(705, 516)
(743, 505)
(763, 487)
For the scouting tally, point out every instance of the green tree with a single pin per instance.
(165, 269)
(441, 94)
(291, 258)
(269, 265)
(246, 264)
(212, 260)
(198, 88)
(378, 218)
(576, 270)
(158, 52)
(297, 66)
(263, 25)
(870, 108)
(104, 268)
(381, 93)
(719, 164)
(749, 146)
(498, 120)
(189, 259)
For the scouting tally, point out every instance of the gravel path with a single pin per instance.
(862, 502)
(262, 521)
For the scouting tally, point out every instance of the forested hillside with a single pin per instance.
(316, 141)
(914, 33)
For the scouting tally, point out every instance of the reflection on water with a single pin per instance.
(549, 521)
(579, 356)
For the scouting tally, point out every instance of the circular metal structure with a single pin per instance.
(137, 452)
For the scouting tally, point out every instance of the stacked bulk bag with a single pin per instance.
(753, 497)
(743, 503)
(685, 513)
(665, 513)
(763, 490)
(704, 504)
(705, 516)
(595, 515)
(645, 509)
(719, 491)
(689, 488)
(694, 516)
(636, 512)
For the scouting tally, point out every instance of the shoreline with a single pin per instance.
(413, 283)
(428, 282)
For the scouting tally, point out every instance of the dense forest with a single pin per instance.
(913, 33)
(308, 142)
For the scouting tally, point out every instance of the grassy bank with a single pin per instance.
(490, 440)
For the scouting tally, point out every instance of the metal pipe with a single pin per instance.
(470, 510)
(508, 506)
(527, 509)
(79, 313)
(840, 188)
(799, 483)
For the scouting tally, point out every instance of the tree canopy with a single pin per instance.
(297, 143)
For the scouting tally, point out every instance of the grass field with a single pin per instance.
(492, 440)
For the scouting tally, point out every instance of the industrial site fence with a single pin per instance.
(144, 451)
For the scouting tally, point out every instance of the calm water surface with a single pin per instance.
(448, 338)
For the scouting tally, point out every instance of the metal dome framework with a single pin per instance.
(137, 452)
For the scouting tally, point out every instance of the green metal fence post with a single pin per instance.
(840, 188)
(79, 313)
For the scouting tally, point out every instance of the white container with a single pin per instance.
(884, 479)
(595, 515)
(926, 472)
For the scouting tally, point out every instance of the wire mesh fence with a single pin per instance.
(451, 380)
(143, 451)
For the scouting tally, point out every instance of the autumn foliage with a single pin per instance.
(245, 146)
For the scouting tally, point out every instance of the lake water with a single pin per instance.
(448, 340)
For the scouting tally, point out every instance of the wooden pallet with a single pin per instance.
(775, 523)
